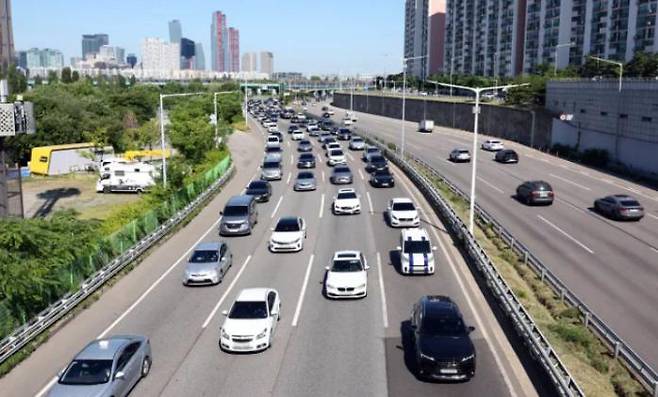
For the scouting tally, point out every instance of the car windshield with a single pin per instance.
(306, 156)
(403, 207)
(336, 152)
(273, 139)
(347, 265)
(443, 326)
(204, 256)
(257, 185)
(235, 210)
(247, 309)
(273, 150)
(357, 140)
(287, 225)
(87, 372)
(372, 150)
(630, 203)
(346, 195)
(463, 151)
(377, 159)
(271, 164)
(382, 173)
(304, 142)
(417, 247)
(341, 170)
(305, 175)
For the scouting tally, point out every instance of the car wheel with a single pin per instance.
(146, 367)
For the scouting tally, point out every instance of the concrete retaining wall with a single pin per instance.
(507, 123)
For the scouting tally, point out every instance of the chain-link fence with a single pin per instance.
(69, 278)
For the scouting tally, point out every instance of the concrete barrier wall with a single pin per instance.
(502, 122)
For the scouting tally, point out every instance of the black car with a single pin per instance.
(306, 160)
(442, 342)
(261, 190)
(327, 141)
(382, 178)
(507, 156)
(344, 134)
(535, 192)
(375, 163)
(292, 128)
(326, 125)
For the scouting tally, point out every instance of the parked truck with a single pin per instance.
(426, 126)
(136, 177)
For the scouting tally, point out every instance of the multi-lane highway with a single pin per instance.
(611, 265)
(321, 347)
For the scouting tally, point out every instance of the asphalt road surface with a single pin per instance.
(321, 347)
(611, 265)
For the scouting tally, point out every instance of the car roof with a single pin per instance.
(402, 200)
(106, 348)
(239, 200)
(346, 190)
(288, 219)
(252, 295)
(347, 254)
(306, 173)
(439, 306)
(208, 246)
(414, 234)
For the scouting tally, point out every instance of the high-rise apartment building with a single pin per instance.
(91, 43)
(199, 57)
(112, 54)
(424, 30)
(160, 55)
(6, 35)
(175, 31)
(266, 62)
(44, 58)
(219, 42)
(234, 49)
(249, 62)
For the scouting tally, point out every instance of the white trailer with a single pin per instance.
(426, 126)
(134, 177)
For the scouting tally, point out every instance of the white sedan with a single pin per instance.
(493, 145)
(346, 202)
(251, 321)
(402, 212)
(347, 276)
(288, 235)
(336, 156)
(297, 135)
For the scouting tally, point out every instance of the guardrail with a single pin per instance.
(525, 326)
(647, 376)
(27, 332)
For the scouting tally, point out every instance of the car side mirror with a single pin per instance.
(272, 229)
(471, 329)
(225, 312)
(327, 268)
(433, 248)
(119, 375)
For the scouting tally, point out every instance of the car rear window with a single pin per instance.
(630, 203)
(346, 195)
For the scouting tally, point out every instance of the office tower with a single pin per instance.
(91, 43)
(175, 31)
(6, 35)
(199, 57)
(160, 55)
(249, 62)
(22, 59)
(219, 42)
(234, 49)
(187, 51)
(131, 60)
(266, 62)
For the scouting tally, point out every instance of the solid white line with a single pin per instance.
(372, 209)
(494, 187)
(292, 159)
(298, 309)
(382, 291)
(654, 250)
(568, 181)
(361, 175)
(288, 180)
(321, 206)
(323, 176)
(230, 287)
(277, 206)
(583, 246)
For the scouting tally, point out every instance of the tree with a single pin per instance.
(642, 65)
(16, 80)
(121, 82)
(38, 80)
(66, 75)
(75, 76)
(315, 78)
(133, 80)
(52, 77)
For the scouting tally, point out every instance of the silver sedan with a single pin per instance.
(208, 264)
(305, 181)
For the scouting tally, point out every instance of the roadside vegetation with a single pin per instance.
(43, 259)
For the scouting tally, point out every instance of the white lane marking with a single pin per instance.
(654, 250)
(570, 237)
(372, 209)
(300, 300)
(494, 187)
(568, 181)
(277, 206)
(653, 216)
(382, 291)
(361, 175)
(321, 206)
(292, 159)
(467, 296)
(323, 176)
(288, 180)
(228, 290)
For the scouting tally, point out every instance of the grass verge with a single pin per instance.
(597, 372)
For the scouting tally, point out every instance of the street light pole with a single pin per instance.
(476, 113)
(556, 54)
(621, 67)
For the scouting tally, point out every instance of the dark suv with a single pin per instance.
(442, 344)
(507, 156)
(535, 192)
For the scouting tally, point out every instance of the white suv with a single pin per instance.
(297, 135)
(251, 321)
(493, 145)
(273, 141)
(416, 252)
(402, 212)
(346, 202)
(347, 276)
(336, 156)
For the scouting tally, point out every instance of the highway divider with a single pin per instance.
(130, 250)
(539, 346)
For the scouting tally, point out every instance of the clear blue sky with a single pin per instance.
(309, 36)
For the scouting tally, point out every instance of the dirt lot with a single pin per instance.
(44, 195)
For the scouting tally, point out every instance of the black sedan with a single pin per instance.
(344, 134)
(382, 178)
(442, 343)
(261, 190)
(306, 160)
(507, 156)
(375, 163)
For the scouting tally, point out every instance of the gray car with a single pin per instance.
(357, 143)
(271, 170)
(619, 207)
(208, 264)
(341, 175)
(305, 181)
(369, 152)
(304, 146)
(107, 367)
